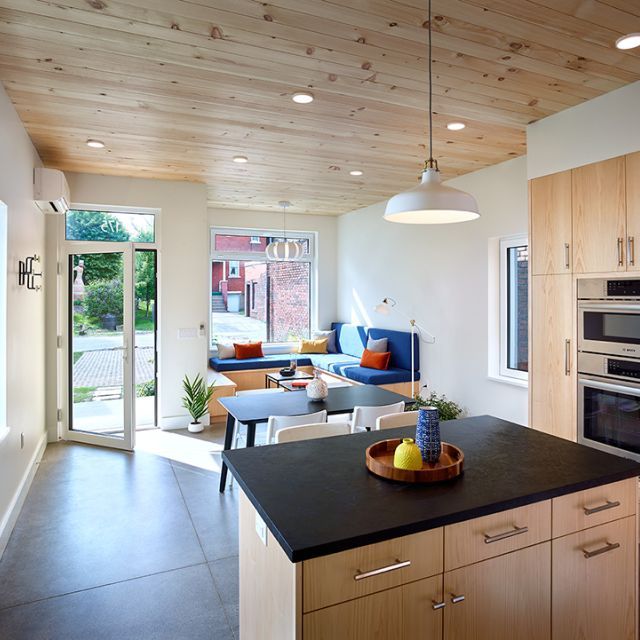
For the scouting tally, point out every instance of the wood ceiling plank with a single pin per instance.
(596, 13)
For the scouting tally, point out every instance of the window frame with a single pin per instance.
(259, 256)
(507, 315)
(145, 211)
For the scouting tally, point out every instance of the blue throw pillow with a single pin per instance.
(331, 339)
(377, 346)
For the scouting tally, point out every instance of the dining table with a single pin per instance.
(253, 409)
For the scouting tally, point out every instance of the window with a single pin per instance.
(514, 313)
(110, 226)
(253, 298)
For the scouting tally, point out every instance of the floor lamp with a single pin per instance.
(385, 308)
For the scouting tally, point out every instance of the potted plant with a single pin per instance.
(447, 409)
(196, 400)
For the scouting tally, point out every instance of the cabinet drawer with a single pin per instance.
(358, 572)
(594, 583)
(490, 536)
(592, 507)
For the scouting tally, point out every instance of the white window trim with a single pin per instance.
(504, 371)
(225, 256)
(4, 212)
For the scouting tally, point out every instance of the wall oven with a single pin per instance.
(609, 316)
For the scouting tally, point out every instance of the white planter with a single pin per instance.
(195, 427)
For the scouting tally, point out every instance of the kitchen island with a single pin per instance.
(536, 540)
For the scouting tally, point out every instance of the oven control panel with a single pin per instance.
(623, 288)
(623, 368)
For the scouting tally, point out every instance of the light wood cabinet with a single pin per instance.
(504, 598)
(593, 583)
(633, 210)
(552, 370)
(550, 237)
(422, 609)
(599, 217)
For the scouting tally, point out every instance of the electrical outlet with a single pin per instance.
(22, 440)
(261, 529)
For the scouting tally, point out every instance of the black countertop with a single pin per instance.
(317, 496)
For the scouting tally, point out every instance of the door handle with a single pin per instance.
(438, 605)
(631, 251)
(567, 357)
(457, 598)
(567, 262)
(620, 255)
(609, 504)
(398, 564)
(610, 546)
(516, 531)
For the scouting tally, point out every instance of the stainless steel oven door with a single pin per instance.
(605, 327)
(609, 416)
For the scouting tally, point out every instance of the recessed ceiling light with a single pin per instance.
(302, 97)
(355, 172)
(456, 126)
(95, 144)
(630, 41)
(240, 159)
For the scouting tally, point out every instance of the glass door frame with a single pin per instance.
(127, 249)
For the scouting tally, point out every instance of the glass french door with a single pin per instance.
(101, 344)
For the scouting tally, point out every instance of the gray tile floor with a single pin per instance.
(124, 546)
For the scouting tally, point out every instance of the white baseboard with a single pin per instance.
(11, 516)
(169, 423)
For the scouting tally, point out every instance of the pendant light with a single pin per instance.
(431, 202)
(284, 250)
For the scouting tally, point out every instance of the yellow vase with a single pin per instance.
(407, 455)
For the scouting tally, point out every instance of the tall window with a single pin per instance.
(253, 298)
(514, 311)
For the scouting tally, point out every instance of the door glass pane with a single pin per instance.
(145, 338)
(106, 226)
(612, 418)
(517, 308)
(97, 345)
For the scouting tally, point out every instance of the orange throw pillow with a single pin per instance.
(374, 360)
(248, 350)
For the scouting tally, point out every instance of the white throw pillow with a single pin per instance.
(226, 351)
(378, 346)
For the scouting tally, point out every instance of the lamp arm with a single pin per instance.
(423, 334)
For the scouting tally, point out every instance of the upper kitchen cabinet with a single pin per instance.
(550, 233)
(599, 217)
(633, 210)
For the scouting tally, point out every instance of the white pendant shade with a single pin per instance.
(284, 250)
(431, 202)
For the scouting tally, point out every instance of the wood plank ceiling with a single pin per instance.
(176, 88)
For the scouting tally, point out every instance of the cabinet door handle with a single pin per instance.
(631, 251)
(516, 531)
(567, 262)
(610, 546)
(438, 605)
(567, 357)
(398, 564)
(603, 507)
(620, 256)
(455, 599)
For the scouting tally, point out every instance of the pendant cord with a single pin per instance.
(430, 163)
(284, 221)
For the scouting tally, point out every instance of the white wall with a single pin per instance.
(25, 311)
(605, 127)
(439, 275)
(183, 270)
(326, 249)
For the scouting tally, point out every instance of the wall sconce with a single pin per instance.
(26, 275)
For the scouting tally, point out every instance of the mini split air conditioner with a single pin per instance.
(51, 191)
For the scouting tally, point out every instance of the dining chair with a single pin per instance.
(312, 431)
(275, 423)
(405, 419)
(364, 417)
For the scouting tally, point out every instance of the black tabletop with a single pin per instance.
(317, 497)
(258, 407)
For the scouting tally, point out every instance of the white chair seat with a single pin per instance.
(393, 420)
(364, 417)
(275, 423)
(312, 431)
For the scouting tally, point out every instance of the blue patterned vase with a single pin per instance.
(428, 434)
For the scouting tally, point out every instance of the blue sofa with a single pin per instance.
(351, 341)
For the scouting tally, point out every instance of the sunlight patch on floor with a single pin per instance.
(195, 452)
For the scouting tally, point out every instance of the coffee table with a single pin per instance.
(277, 379)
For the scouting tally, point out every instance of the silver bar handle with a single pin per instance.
(455, 599)
(516, 531)
(603, 507)
(398, 564)
(438, 605)
(610, 546)
(567, 357)
(620, 255)
(631, 251)
(567, 262)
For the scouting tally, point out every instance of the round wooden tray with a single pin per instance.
(380, 462)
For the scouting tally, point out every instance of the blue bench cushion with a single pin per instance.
(374, 376)
(328, 360)
(272, 361)
(350, 338)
